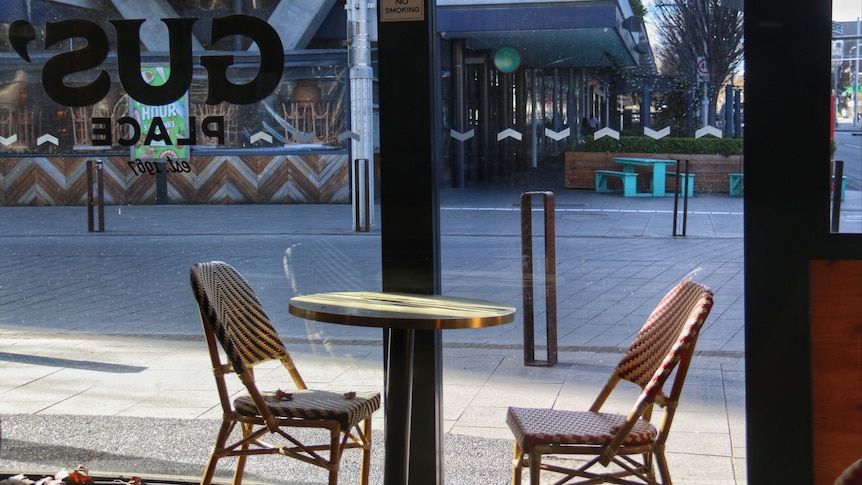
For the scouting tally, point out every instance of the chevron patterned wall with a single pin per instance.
(280, 179)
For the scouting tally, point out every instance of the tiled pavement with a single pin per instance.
(102, 360)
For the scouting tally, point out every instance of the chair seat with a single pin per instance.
(315, 404)
(534, 426)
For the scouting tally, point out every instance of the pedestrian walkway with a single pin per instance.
(102, 360)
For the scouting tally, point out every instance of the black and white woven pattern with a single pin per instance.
(315, 404)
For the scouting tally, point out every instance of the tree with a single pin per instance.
(689, 29)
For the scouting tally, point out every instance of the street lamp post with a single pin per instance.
(856, 76)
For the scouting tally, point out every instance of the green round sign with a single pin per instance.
(507, 59)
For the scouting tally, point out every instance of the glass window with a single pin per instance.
(846, 145)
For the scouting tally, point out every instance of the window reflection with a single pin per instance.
(308, 109)
(846, 181)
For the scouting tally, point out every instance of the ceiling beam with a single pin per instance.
(297, 22)
(154, 33)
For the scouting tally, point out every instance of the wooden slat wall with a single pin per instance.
(836, 366)
(281, 179)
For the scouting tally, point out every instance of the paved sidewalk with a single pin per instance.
(102, 360)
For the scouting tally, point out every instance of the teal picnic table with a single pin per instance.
(659, 171)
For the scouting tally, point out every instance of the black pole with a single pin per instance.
(100, 183)
(676, 197)
(836, 195)
(95, 201)
(410, 155)
(685, 188)
(90, 197)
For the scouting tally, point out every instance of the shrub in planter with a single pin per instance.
(643, 144)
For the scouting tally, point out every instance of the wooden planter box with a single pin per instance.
(711, 171)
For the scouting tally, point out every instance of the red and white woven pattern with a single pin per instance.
(674, 322)
(236, 316)
(315, 404)
(532, 426)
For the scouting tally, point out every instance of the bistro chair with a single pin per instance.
(852, 475)
(234, 319)
(620, 448)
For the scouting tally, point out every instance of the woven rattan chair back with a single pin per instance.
(234, 320)
(232, 311)
(670, 330)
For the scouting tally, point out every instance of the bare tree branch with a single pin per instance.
(689, 29)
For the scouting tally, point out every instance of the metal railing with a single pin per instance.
(528, 279)
(95, 202)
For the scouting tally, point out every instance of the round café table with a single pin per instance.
(403, 314)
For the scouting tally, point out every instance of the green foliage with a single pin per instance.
(637, 7)
(645, 144)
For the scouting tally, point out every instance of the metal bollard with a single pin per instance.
(836, 195)
(528, 280)
(363, 162)
(96, 202)
(685, 182)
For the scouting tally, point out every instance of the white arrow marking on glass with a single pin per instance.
(607, 132)
(348, 134)
(509, 133)
(558, 135)
(260, 136)
(708, 130)
(304, 137)
(463, 136)
(655, 135)
(46, 138)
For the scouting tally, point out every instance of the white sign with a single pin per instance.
(402, 10)
(702, 69)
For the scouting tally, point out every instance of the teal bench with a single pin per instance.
(629, 180)
(843, 185)
(736, 184)
(688, 187)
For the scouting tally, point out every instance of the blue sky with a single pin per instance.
(846, 10)
(842, 10)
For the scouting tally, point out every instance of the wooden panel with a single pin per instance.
(836, 366)
(228, 179)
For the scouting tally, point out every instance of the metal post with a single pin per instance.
(737, 113)
(550, 278)
(90, 200)
(856, 75)
(361, 96)
(362, 198)
(836, 195)
(676, 186)
(728, 111)
(690, 101)
(459, 117)
(100, 185)
(161, 183)
(97, 200)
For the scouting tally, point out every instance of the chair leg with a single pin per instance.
(517, 458)
(221, 439)
(365, 469)
(535, 467)
(663, 469)
(334, 455)
(239, 471)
